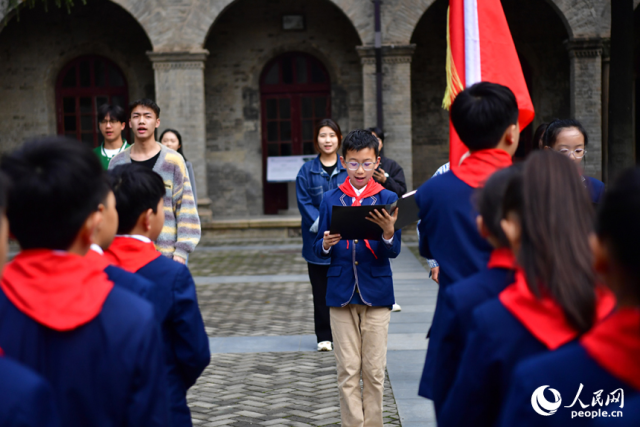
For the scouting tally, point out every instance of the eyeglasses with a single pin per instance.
(354, 166)
(578, 153)
(109, 122)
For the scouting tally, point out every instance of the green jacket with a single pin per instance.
(99, 150)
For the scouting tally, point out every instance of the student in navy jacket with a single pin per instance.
(139, 195)
(447, 227)
(570, 138)
(553, 300)
(360, 284)
(97, 345)
(104, 234)
(314, 180)
(451, 328)
(26, 399)
(606, 360)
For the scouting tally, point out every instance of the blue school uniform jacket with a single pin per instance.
(566, 369)
(186, 345)
(595, 187)
(353, 265)
(108, 372)
(453, 322)
(496, 344)
(448, 231)
(312, 183)
(26, 399)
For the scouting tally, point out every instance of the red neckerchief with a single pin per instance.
(372, 188)
(479, 166)
(131, 254)
(57, 289)
(502, 258)
(97, 259)
(615, 345)
(544, 317)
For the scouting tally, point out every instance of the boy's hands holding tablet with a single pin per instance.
(329, 240)
(385, 221)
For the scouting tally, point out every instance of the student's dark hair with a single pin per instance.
(359, 139)
(489, 201)
(482, 113)
(56, 184)
(115, 112)
(145, 102)
(137, 189)
(538, 142)
(330, 124)
(557, 126)
(556, 216)
(617, 224)
(177, 134)
(379, 132)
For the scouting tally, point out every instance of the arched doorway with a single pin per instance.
(295, 93)
(82, 86)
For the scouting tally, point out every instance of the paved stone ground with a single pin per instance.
(273, 389)
(256, 309)
(269, 389)
(247, 262)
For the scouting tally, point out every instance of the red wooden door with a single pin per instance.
(82, 86)
(295, 95)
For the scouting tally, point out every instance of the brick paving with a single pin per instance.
(247, 262)
(273, 389)
(268, 389)
(256, 309)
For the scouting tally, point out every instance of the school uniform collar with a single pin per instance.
(475, 169)
(543, 317)
(95, 255)
(502, 258)
(140, 237)
(131, 252)
(358, 192)
(615, 345)
(57, 289)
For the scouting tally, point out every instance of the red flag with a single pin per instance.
(480, 48)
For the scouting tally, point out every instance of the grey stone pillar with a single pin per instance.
(179, 80)
(396, 99)
(585, 56)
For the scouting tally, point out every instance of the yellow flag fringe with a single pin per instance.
(454, 84)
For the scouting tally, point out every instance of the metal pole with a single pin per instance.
(621, 150)
(378, 51)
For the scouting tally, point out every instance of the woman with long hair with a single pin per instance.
(601, 372)
(315, 178)
(554, 299)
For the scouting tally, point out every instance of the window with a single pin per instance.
(83, 85)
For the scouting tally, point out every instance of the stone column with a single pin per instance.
(585, 56)
(396, 101)
(179, 80)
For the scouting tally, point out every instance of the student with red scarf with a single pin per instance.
(451, 328)
(21, 389)
(485, 116)
(359, 284)
(553, 301)
(97, 344)
(139, 193)
(601, 369)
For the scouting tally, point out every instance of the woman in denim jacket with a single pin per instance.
(315, 178)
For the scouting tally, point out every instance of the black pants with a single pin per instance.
(318, 277)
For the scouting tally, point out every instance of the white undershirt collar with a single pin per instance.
(136, 236)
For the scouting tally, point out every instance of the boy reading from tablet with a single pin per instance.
(359, 284)
(139, 195)
(97, 344)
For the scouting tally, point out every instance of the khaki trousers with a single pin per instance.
(360, 346)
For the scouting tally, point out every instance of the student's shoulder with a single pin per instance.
(439, 183)
(126, 308)
(173, 158)
(306, 167)
(332, 197)
(387, 196)
(18, 378)
(164, 267)
(134, 281)
(121, 158)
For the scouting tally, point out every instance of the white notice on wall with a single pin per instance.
(285, 168)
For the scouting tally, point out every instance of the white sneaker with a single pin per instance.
(396, 307)
(325, 346)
